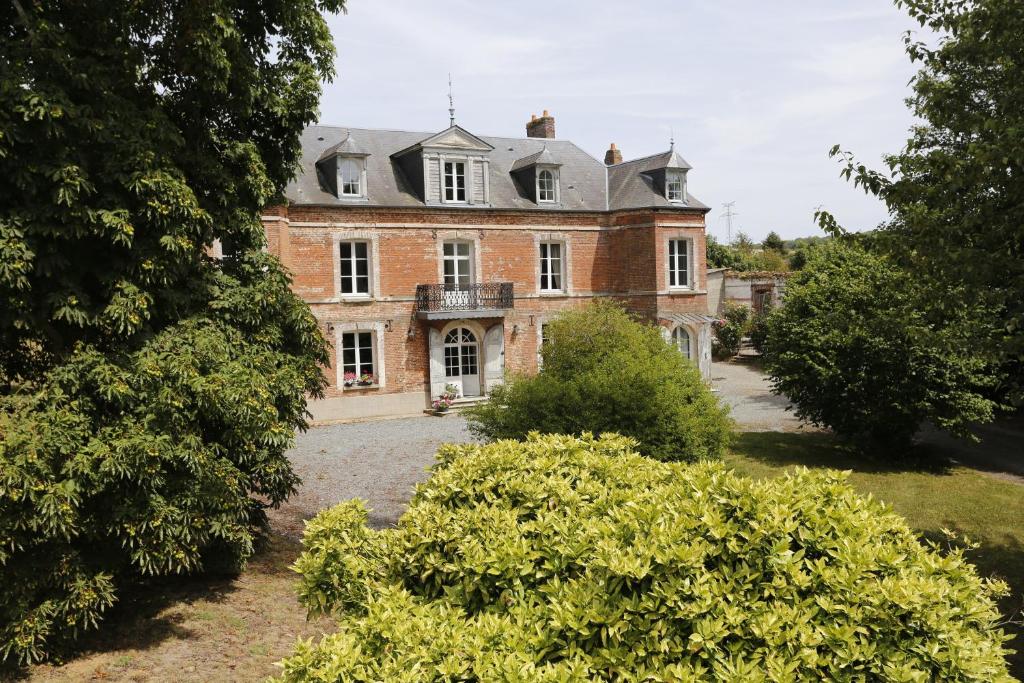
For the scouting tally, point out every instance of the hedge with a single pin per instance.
(571, 559)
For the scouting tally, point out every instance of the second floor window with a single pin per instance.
(678, 263)
(675, 188)
(545, 186)
(458, 265)
(351, 177)
(355, 268)
(455, 181)
(551, 266)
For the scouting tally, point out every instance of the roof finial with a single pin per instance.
(451, 101)
(671, 139)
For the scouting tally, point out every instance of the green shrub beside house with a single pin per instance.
(605, 372)
(572, 559)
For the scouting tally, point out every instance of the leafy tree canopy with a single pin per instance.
(773, 242)
(955, 192)
(855, 350)
(147, 391)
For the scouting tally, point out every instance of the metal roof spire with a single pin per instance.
(451, 101)
(671, 139)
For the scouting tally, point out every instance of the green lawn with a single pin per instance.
(988, 510)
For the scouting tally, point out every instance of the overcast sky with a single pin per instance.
(756, 92)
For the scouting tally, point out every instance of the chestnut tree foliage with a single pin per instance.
(147, 391)
(955, 192)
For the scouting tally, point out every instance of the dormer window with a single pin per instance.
(546, 185)
(675, 186)
(350, 178)
(455, 181)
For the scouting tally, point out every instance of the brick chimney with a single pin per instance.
(613, 156)
(543, 127)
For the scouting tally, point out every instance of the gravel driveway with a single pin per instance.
(382, 461)
(379, 461)
(748, 393)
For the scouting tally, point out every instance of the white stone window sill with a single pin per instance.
(684, 291)
(554, 293)
(360, 299)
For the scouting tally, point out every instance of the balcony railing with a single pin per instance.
(478, 297)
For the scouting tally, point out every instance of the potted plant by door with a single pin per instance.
(442, 403)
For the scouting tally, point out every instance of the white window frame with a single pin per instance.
(376, 331)
(456, 163)
(455, 258)
(545, 245)
(360, 178)
(369, 268)
(554, 185)
(671, 243)
(674, 177)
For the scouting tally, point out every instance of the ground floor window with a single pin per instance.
(357, 358)
(681, 339)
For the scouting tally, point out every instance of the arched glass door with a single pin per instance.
(681, 338)
(462, 360)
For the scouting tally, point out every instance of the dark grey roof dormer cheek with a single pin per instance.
(526, 182)
(657, 177)
(327, 174)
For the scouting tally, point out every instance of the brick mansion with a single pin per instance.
(437, 258)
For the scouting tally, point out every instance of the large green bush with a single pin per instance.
(605, 372)
(148, 392)
(855, 349)
(565, 559)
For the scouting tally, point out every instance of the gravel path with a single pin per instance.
(382, 461)
(379, 461)
(748, 393)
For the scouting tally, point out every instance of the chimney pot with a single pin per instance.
(612, 156)
(543, 127)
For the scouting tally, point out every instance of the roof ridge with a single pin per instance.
(430, 133)
(632, 161)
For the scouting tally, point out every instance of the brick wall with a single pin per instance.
(618, 254)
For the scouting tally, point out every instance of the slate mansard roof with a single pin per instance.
(585, 183)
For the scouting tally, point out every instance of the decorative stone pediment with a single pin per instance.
(458, 138)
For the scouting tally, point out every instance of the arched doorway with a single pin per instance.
(462, 360)
(681, 340)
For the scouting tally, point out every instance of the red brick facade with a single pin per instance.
(621, 255)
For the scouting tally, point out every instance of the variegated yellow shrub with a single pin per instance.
(571, 559)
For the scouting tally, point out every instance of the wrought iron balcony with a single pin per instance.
(478, 300)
